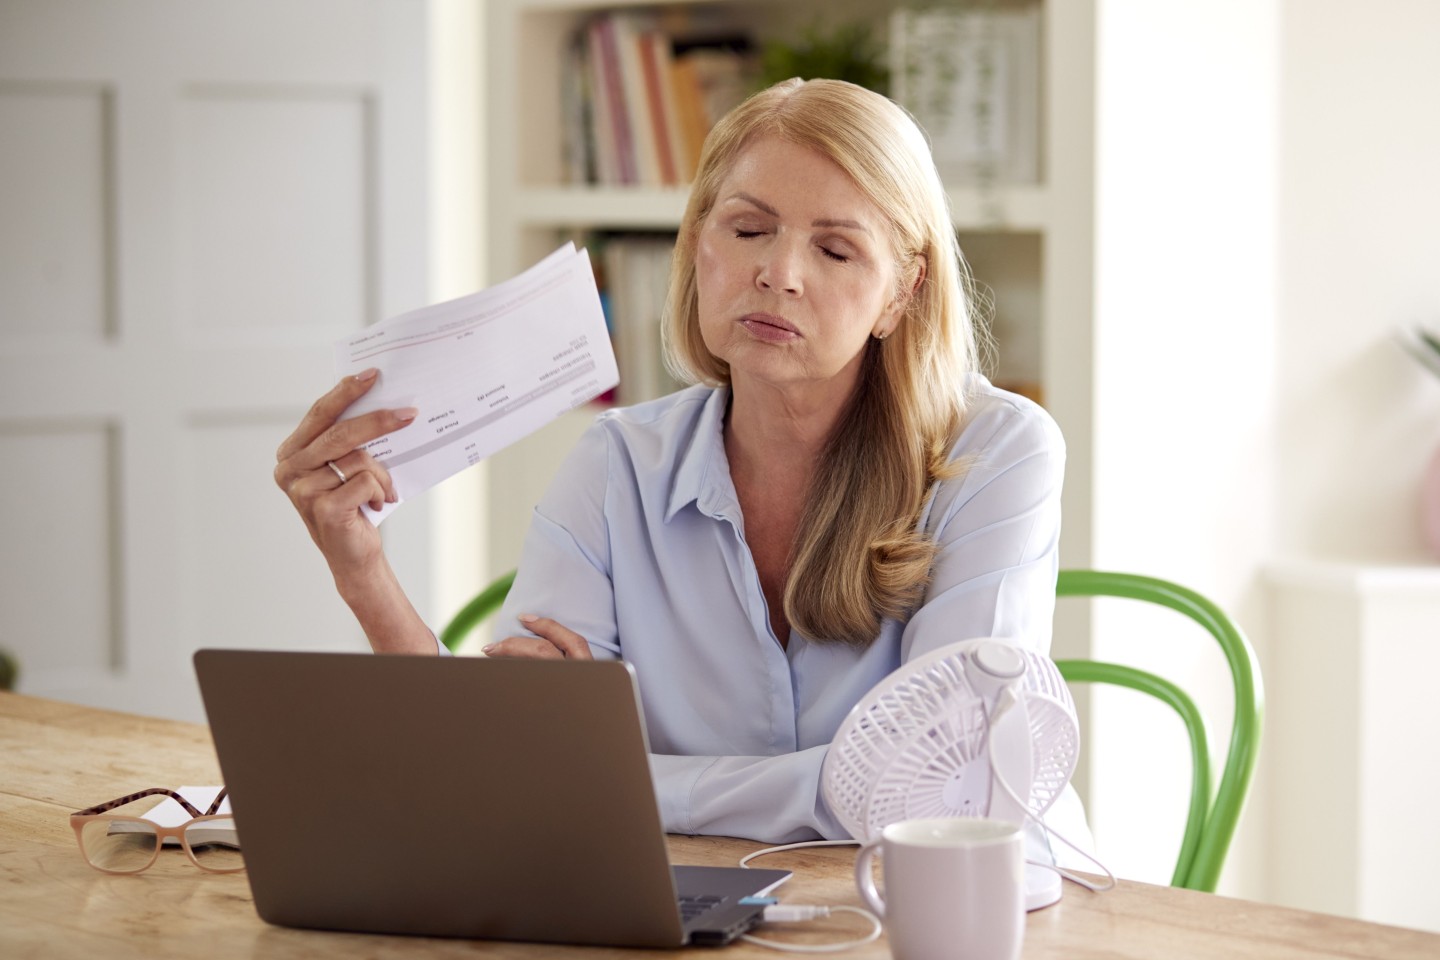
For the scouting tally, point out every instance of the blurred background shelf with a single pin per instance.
(1025, 247)
(1002, 209)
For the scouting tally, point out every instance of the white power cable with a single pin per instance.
(795, 913)
(790, 913)
(1004, 703)
(745, 860)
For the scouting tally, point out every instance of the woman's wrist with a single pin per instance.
(359, 585)
(379, 603)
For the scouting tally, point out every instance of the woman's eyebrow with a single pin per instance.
(851, 224)
(823, 222)
(754, 201)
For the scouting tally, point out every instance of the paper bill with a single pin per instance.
(483, 370)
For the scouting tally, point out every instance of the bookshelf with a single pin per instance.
(1027, 242)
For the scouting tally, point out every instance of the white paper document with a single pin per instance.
(483, 370)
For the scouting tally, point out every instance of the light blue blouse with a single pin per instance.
(639, 546)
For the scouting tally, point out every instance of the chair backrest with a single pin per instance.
(1211, 822)
(473, 614)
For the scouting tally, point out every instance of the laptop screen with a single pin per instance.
(498, 799)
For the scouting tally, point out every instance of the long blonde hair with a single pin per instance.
(858, 556)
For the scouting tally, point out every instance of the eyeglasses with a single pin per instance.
(127, 844)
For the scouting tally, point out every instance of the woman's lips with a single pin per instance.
(770, 328)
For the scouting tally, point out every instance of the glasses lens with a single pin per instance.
(123, 846)
(213, 844)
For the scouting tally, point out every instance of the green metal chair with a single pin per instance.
(475, 612)
(1210, 824)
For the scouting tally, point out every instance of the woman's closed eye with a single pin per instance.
(838, 252)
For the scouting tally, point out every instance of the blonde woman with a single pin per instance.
(840, 491)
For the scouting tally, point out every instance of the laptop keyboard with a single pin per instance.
(692, 907)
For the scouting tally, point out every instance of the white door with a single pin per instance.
(196, 198)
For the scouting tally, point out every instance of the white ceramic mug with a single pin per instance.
(954, 888)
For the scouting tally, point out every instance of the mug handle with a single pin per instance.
(865, 878)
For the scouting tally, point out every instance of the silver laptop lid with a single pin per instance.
(497, 799)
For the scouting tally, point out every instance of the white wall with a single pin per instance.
(1360, 253)
(1266, 212)
(1184, 335)
(458, 219)
(1357, 420)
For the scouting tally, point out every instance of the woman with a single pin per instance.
(839, 493)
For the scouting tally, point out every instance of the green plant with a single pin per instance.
(9, 671)
(848, 52)
(1422, 345)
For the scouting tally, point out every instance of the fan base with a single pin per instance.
(1042, 887)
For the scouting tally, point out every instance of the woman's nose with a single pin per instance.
(779, 270)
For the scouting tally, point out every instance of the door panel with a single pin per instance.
(196, 199)
(250, 160)
(55, 245)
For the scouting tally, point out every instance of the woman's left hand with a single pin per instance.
(553, 641)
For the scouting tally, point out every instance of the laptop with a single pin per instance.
(457, 797)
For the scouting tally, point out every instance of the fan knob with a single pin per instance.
(1001, 660)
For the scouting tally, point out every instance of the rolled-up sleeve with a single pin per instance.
(775, 799)
(565, 565)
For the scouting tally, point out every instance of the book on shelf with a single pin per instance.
(636, 279)
(578, 116)
(637, 103)
(693, 118)
(655, 58)
(615, 140)
(628, 31)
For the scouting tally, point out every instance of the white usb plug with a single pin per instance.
(794, 912)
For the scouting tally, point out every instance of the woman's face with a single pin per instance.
(794, 271)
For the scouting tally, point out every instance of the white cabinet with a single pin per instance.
(1351, 669)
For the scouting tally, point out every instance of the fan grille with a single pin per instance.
(909, 742)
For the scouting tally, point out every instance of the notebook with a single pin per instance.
(457, 797)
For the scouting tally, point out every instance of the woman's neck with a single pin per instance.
(776, 432)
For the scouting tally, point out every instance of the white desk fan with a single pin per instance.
(919, 745)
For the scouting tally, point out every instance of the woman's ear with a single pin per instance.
(897, 308)
(921, 265)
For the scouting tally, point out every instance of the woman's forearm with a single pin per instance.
(385, 613)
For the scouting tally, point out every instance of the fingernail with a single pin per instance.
(488, 648)
(406, 414)
(365, 376)
(527, 618)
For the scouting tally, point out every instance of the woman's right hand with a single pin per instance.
(329, 499)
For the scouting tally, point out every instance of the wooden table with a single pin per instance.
(56, 758)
